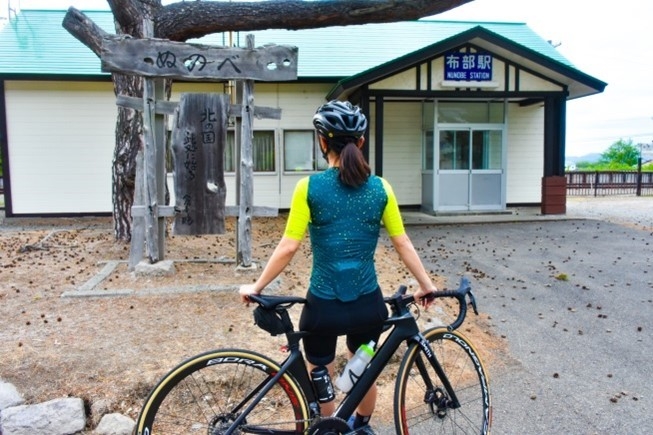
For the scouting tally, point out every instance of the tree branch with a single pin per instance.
(84, 29)
(184, 20)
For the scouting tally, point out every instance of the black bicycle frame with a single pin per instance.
(404, 329)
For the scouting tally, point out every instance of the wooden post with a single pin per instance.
(149, 172)
(137, 245)
(154, 161)
(244, 246)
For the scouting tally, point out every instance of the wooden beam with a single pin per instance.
(169, 107)
(258, 211)
(161, 211)
(152, 57)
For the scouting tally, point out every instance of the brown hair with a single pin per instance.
(354, 170)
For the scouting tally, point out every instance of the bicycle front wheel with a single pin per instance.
(207, 393)
(423, 406)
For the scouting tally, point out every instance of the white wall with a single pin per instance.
(402, 150)
(525, 154)
(61, 141)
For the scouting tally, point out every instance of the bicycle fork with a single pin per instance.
(439, 400)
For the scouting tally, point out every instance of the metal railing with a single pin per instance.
(606, 183)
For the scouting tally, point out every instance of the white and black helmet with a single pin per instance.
(340, 119)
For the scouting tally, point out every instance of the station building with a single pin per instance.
(465, 117)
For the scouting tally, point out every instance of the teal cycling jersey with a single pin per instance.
(344, 224)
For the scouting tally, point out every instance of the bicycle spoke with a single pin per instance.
(419, 409)
(210, 394)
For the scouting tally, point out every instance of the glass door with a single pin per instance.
(470, 169)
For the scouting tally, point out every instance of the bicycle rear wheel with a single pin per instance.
(422, 405)
(206, 393)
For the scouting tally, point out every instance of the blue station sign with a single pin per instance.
(468, 66)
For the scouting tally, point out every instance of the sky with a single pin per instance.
(611, 42)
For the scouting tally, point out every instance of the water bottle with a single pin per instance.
(323, 387)
(355, 367)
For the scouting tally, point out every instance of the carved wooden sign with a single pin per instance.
(152, 57)
(199, 139)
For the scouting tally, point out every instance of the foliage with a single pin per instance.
(621, 153)
(620, 156)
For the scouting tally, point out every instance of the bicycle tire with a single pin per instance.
(415, 415)
(197, 396)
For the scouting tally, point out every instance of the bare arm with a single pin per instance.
(409, 256)
(283, 253)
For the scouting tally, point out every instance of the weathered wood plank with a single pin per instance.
(151, 201)
(259, 112)
(152, 57)
(246, 172)
(137, 245)
(258, 211)
(169, 107)
(160, 107)
(198, 144)
(163, 211)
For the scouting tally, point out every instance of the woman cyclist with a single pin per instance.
(343, 208)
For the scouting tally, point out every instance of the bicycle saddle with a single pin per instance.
(269, 302)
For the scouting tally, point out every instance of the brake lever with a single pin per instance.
(472, 301)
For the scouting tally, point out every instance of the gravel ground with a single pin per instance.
(633, 210)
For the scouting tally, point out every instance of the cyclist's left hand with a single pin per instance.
(246, 290)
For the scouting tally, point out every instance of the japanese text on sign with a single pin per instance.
(468, 66)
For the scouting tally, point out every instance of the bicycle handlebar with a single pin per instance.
(400, 300)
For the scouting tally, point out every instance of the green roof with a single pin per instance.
(35, 43)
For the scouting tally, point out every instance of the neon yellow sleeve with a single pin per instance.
(391, 216)
(300, 214)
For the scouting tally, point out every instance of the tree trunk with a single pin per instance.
(129, 16)
(129, 140)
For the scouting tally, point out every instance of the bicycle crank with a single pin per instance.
(329, 426)
(220, 423)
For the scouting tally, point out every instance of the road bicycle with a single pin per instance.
(441, 385)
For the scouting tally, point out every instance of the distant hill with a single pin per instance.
(592, 158)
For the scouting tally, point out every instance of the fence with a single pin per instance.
(605, 183)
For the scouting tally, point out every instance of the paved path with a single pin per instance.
(581, 347)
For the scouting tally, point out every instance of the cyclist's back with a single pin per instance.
(344, 229)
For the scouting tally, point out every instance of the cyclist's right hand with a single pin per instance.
(422, 297)
(246, 290)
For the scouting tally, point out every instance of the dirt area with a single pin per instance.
(115, 348)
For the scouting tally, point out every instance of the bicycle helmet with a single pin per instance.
(340, 119)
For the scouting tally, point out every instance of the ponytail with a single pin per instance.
(354, 170)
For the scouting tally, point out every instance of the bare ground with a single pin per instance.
(116, 348)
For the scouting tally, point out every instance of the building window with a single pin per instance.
(427, 151)
(460, 112)
(301, 151)
(263, 152)
(230, 153)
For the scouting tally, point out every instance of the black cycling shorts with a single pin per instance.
(360, 320)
